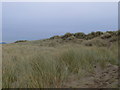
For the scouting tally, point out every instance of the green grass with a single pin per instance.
(34, 66)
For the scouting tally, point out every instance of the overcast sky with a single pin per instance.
(34, 21)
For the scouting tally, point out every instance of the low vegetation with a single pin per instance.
(49, 63)
(20, 41)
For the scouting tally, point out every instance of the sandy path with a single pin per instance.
(107, 78)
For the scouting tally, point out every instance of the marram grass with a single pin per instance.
(27, 66)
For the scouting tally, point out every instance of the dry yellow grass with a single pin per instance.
(34, 66)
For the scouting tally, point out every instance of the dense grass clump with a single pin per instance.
(34, 66)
